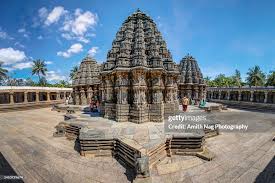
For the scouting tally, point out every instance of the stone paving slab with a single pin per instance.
(27, 144)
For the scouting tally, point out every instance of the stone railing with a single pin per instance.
(27, 96)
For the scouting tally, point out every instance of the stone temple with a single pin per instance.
(191, 83)
(86, 82)
(139, 76)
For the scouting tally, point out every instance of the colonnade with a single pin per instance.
(246, 94)
(10, 95)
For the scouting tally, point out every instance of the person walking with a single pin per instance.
(92, 106)
(185, 103)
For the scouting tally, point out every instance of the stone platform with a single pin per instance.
(28, 145)
(131, 143)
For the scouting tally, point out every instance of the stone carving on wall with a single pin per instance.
(135, 63)
(191, 79)
(86, 79)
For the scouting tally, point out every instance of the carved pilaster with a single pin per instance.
(76, 97)
(83, 97)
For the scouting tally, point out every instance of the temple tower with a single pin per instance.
(139, 76)
(191, 82)
(86, 83)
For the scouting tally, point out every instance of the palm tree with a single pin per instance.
(73, 72)
(255, 76)
(237, 80)
(3, 72)
(39, 67)
(271, 79)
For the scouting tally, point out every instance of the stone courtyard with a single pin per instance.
(31, 150)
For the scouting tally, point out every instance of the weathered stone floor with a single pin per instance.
(27, 144)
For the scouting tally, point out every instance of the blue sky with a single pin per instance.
(221, 35)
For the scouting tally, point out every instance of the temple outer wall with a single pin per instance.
(243, 97)
(27, 96)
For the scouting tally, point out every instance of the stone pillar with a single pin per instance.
(36, 96)
(228, 95)
(11, 98)
(76, 96)
(48, 96)
(239, 95)
(251, 96)
(139, 112)
(265, 96)
(220, 93)
(89, 95)
(25, 97)
(83, 97)
(57, 95)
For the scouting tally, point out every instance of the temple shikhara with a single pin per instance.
(191, 83)
(139, 76)
(86, 82)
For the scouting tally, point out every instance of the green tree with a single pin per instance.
(3, 72)
(29, 82)
(73, 72)
(43, 82)
(237, 80)
(39, 67)
(255, 77)
(271, 79)
(222, 81)
(209, 82)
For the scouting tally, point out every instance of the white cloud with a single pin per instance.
(40, 37)
(75, 48)
(4, 35)
(48, 62)
(54, 76)
(23, 65)
(76, 26)
(43, 12)
(54, 15)
(93, 51)
(22, 30)
(11, 56)
(19, 44)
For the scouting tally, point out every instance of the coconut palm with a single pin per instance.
(39, 67)
(237, 80)
(271, 79)
(3, 72)
(255, 76)
(73, 72)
